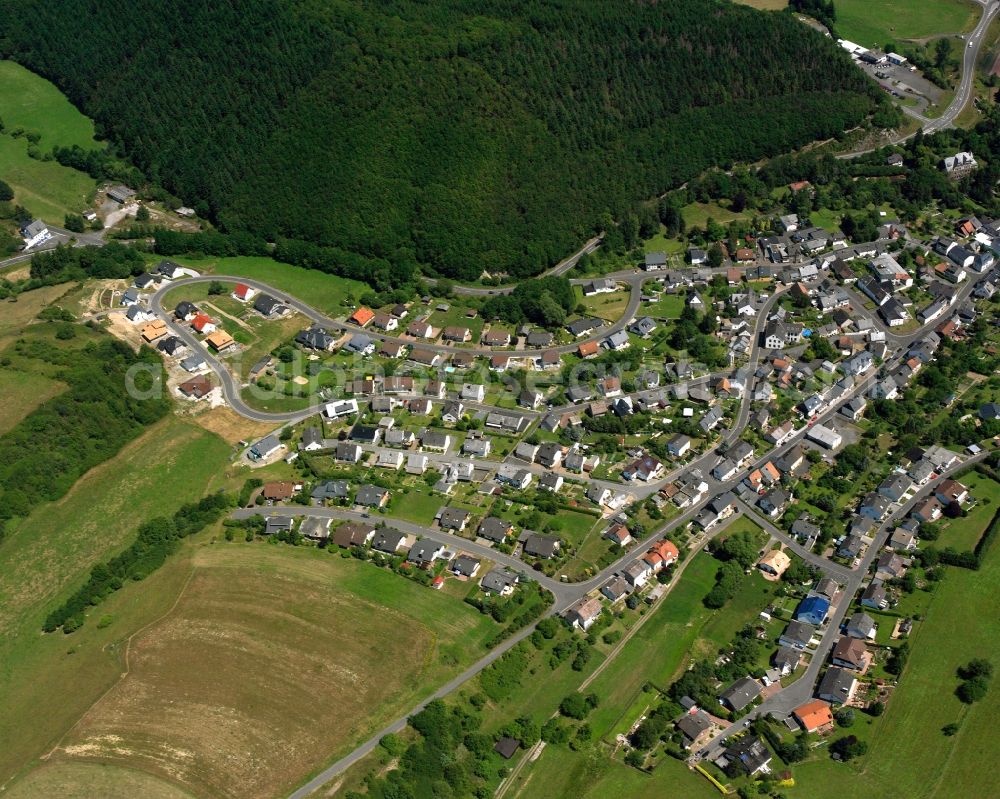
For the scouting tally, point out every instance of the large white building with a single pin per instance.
(35, 233)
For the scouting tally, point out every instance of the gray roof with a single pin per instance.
(543, 546)
(741, 693)
(369, 495)
(499, 579)
(465, 565)
(387, 539)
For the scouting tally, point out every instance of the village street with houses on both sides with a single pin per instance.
(719, 493)
(819, 334)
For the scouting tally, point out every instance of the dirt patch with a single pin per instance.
(249, 683)
(230, 426)
(121, 328)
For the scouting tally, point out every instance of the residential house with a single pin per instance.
(851, 653)
(837, 686)
(644, 468)
(495, 529)
(861, 625)
(583, 613)
(875, 596)
(278, 524)
(774, 502)
(679, 445)
(786, 660)
(741, 694)
(388, 540)
(353, 534)
(331, 490)
(424, 552)
(501, 581)
(371, 496)
(465, 566)
(637, 574)
(813, 610)
(263, 449)
(750, 752)
(541, 546)
(814, 716)
(797, 635)
(435, 440)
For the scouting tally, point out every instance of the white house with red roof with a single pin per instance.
(243, 293)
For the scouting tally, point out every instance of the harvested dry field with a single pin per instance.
(274, 660)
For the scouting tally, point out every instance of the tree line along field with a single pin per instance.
(31, 103)
(49, 681)
(442, 135)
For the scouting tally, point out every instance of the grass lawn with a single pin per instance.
(659, 649)
(609, 307)
(22, 393)
(419, 506)
(588, 774)
(698, 214)
(668, 306)
(327, 293)
(31, 102)
(455, 317)
(750, 599)
(909, 756)
(827, 219)
(964, 533)
(660, 243)
(871, 23)
(48, 681)
(47, 189)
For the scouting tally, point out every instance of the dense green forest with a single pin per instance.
(455, 135)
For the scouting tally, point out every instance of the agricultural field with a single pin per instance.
(31, 103)
(47, 189)
(200, 704)
(764, 5)
(48, 681)
(909, 757)
(871, 23)
(87, 780)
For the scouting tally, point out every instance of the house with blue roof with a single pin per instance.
(812, 610)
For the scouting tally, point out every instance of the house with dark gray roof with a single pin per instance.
(741, 694)
(541, 546)
(388, 540)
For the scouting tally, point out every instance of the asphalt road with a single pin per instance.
(565, 594)
(971, 47)
(970, 55)
(801, 691)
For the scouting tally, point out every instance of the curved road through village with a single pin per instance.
(565, 594)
